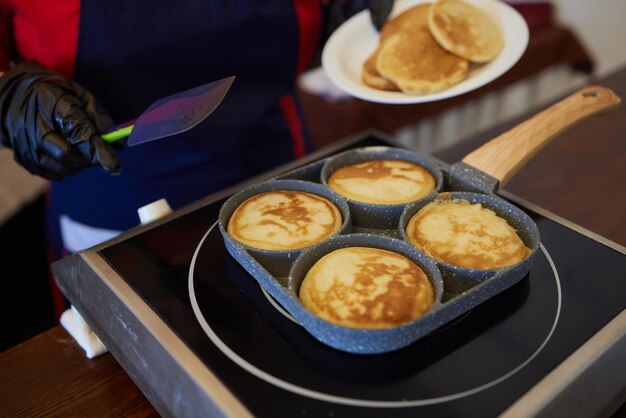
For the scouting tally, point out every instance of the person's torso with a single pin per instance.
(130, 54)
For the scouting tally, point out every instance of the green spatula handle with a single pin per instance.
(118, 134)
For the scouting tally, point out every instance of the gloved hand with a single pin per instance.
(341, 10)
(379, 11)
(53, 124)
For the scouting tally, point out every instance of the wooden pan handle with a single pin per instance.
(504, 155)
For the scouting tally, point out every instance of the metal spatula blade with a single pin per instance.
(173, 114)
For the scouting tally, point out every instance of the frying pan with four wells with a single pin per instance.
(477, 179)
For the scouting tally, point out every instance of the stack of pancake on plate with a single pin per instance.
(430, 46)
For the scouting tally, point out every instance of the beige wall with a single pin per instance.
(601, 25)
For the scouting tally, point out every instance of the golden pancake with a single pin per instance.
(414, 61)
(371, 77)
(412, 16)
(366, 288)
(465, 30)
(466, 235)
(382, 182)
(369, 73)
(284, 220)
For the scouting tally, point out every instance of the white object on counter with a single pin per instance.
(72, 320)
(74, 323)
(153, 211)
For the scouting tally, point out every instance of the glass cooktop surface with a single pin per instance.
(477, 365)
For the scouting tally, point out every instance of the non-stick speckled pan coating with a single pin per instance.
(476, 178)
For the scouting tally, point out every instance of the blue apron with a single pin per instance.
(131, 53)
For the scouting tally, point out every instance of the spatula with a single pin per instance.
(173, 114)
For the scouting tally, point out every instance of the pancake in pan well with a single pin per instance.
(382, 182)
(466, 235)
(366, 288)
(413, 60)
(465, 30)
(284, 220)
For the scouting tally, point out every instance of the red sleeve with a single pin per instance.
(41, 30)
(6, 37)
(309, 17)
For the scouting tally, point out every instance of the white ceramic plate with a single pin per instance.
(350, 45)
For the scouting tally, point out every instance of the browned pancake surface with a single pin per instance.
(410, 17)
(413, 60)
(367, 288)
(466, 235)
(465, 30)
(370, 74)
(383, 182)
(284, 220)
(372, 77)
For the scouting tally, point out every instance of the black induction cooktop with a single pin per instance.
(478, 365)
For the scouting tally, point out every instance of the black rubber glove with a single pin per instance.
(341, 10)
(53, 124)
(379, 11)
